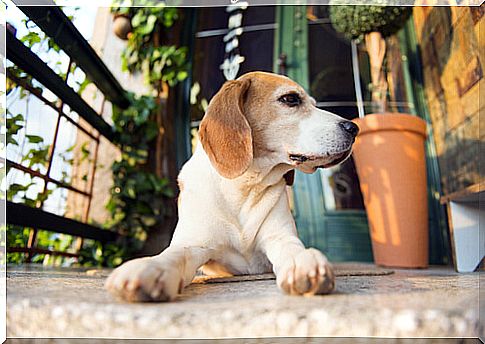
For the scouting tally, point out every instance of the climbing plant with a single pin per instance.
(139, 196)
(145, 50)
(28, 191)
(136, 203)
(33, 149)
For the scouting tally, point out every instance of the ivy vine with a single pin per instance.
(138, 196)
(34, 150)
(28, 192)
(145, 51)
(137, 199)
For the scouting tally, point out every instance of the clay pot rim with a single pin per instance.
(391, 122)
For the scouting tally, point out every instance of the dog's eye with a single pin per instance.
(290, 99)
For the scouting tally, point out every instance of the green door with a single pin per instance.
(327, 204)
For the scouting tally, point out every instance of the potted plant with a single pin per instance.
(389, 151)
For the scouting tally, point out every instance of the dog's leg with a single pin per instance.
(157, 278)
(299, 271)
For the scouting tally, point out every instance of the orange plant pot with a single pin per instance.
(390, 160)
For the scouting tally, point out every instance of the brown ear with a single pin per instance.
(225, 133)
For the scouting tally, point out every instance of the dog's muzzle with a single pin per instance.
(320, 161)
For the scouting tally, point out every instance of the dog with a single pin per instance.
(234, 213)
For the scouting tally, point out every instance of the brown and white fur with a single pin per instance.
(234, 215)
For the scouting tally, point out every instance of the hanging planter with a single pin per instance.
(122, 25)
(389, 151)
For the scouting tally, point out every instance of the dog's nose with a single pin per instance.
(349, 127)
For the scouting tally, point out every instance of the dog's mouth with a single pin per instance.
(336, 159)
(311, 162)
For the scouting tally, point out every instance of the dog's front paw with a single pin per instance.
(145, 279)
(308, 273)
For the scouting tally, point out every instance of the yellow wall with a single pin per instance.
(452, 51)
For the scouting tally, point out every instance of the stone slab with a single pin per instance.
(436, 302)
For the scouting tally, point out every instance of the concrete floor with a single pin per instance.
(435, 302)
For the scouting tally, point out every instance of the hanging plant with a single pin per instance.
(371, 24)
(145, 51)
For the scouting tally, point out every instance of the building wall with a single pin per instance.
(109, 48)
(452, 51)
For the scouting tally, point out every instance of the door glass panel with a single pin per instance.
(331, 84)
(255, 44)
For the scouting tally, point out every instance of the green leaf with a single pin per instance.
(34, 138)
(148, 26)
(138, 18)
(148, 220)
(83, 85)
(182, 75)
(194, 92)
(13, 127)
(31, 38)
(131, 192)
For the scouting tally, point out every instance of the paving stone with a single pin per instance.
(435, 302)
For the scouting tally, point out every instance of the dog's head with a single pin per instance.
(263, 114)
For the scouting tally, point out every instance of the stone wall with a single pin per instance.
(452, 51)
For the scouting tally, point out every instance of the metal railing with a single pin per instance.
(57, 25)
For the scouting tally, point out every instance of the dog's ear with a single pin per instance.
(225, 133)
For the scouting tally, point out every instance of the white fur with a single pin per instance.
(318, 134)
(239, 226)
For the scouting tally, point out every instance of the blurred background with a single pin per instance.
(103, 106)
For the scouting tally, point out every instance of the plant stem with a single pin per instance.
(376, 48)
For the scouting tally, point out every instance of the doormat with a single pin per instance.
(340, 270)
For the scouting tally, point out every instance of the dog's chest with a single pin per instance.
(254, 210)
(238, 263)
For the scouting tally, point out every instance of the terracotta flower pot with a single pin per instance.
(390, 160)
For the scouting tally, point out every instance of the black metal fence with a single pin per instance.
(55, 24)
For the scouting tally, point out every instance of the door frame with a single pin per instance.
(314, 221)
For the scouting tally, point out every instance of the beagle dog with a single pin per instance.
(234, 214)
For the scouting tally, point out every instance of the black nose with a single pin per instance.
(349, 127)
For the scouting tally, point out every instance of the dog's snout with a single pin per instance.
(349, 127)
